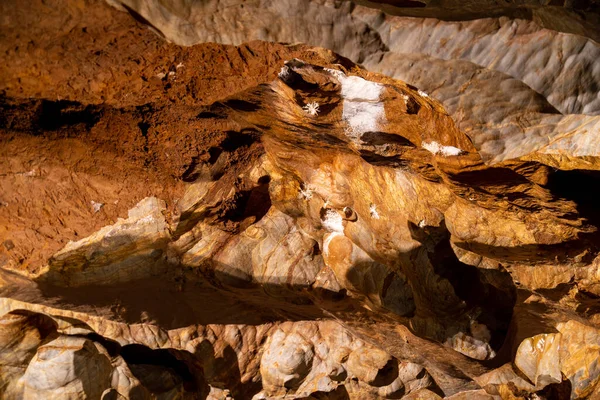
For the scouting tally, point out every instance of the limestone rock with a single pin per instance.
(69, 367)
(136, 249)
(279, 222)
(457, 57)
(286, 361)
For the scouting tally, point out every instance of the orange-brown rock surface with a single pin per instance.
(275, 221)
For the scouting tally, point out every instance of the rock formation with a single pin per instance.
(270, 220)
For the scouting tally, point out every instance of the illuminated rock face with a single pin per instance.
(313, 229)
(519, 88)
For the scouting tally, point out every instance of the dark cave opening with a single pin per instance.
(581, 187)
(148, 364)
(53, 115)
(254, 203)
(489, 294)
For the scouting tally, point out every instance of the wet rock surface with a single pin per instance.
(275, 221)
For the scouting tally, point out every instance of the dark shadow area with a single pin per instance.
(382, 138)
(339, 393)
(404, 3)
(575, 14)
(387, 374)
(234, 140)
(508, 185)
(296, 81)
(557, 391)
(49, 117)
(557, 293)
(434, 10)
(581, 187)
(489, 295)
(17, 114)
(210, 115)
(158, 370)
(320, 136)
(193, 170)
(144, 127)
(163, 301)
(490, 291)
(55, 114)
(214, 153)
(377, 280)
(529, 319)
(224, 368)
(241, 105)
(112, 347)
(191, 173)
(490, 177)
(532, 253)
(589, 303)
(383, 161)
(412, 106)
(254, 203)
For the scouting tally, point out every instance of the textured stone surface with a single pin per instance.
(133, 248)
(360, 32)
(322, 231)
(455, 61)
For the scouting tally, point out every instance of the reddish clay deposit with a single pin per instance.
(189, 220)
(103, 110)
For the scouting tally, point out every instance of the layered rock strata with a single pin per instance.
(312, 230)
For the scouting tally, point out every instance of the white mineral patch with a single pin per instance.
(362, 109)
(362, 117)
(357, 89)
(332, 221)
(306, 192)
(436, 148)
(96, 206)
(373, 211)
(284, 73)
(312, 108)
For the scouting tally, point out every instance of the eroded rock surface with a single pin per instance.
(455, 61)
(274, 221)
